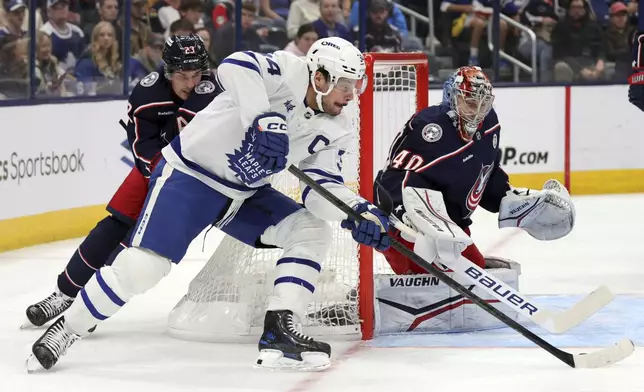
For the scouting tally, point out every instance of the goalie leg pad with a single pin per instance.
(305, 240)
(133, 272)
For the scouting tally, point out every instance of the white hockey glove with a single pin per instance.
(437, 237)
(546, 215)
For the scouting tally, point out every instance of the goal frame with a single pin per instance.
(365, 182)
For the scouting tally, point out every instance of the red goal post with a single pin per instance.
(379, 64)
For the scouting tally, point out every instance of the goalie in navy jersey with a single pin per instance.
(445, 163)
(158, 108)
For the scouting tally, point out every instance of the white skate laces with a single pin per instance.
(55, 304)
(58, 339)
(295, 328)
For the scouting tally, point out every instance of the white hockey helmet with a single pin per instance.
(341, 60)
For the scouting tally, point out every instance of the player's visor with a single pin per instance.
(357, 86)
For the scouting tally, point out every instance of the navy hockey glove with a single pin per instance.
(263, 151)
(372, 231)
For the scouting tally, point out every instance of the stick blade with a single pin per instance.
(560, 322)
(606, 356)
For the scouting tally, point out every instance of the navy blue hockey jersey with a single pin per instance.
(156, 115)
(429, 153)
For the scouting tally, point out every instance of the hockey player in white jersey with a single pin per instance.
(275, 110)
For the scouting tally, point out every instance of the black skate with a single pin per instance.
(282, 346)
(48, 309)
(52, 345)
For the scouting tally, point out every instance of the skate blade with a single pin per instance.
(29, 325)
(32, 365)
(275, 360)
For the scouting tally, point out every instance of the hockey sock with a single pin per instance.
(133, 272)
(92, 254)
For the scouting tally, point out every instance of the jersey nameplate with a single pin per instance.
(150, 79)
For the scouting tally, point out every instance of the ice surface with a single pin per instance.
(132, 352)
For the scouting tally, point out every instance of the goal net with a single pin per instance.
(227, 300)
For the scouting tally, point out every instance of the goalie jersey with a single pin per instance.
(255, 83)
(430, 153)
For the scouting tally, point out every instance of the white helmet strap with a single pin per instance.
(319, 94)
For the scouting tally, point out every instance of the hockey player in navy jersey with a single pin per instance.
(276, 109)
(159, 107)
(447, 159)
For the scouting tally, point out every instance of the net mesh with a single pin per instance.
(227, 299)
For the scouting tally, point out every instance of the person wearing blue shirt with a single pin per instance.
(396, 19)
(68, 40)
(327, 25)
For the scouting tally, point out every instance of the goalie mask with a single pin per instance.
(468, 92)
(343, 63)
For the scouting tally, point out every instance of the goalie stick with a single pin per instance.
(551, 321)
(599, 358)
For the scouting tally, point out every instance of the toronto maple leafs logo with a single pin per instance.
(476, 193)
(289, 105)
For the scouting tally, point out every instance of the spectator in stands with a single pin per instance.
(225, 35)
(163, 13)
(475, 15)
(108, 11)
(306, 36)
(275, 9)
(380, 36)
(204, 33)
(68, 40)
(301, 12)
(98, 70)
(15, 17)
(140, 29)
(147, 59)
(541, 17)
(577, 45)
(50, 77)
(182, 27)
(617, 36)
(4, 6)
(222, 13)
(14, 72)
(192, 11)
(327, 25)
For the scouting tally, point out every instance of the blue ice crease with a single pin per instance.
(623, 317)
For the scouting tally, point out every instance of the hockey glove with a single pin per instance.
(636, 80)
(372, 231)
(263, 151)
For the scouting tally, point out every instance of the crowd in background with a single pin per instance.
(79, 44)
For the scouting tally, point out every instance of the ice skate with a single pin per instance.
(52, 345)
(282, 346)
(46, 310)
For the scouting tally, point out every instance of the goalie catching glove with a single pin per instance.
(546, 215)
(372, 231)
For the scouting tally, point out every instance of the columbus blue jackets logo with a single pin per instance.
(205, 87)
(476, 193)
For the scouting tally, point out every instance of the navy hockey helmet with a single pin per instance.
(185, 53)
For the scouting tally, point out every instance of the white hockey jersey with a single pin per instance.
(253, 84)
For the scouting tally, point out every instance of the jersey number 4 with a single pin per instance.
(273, 68)
(407, 161)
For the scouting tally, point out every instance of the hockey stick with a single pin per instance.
(603, 357)
(555, 322)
